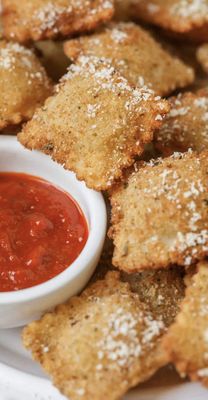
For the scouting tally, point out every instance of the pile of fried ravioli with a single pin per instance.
(117, 92)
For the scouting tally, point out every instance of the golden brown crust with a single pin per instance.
(161, 290)
(137, 56)
(202, 56)
(96, 115)
(154, 298)
(186, 124)
(103, 342)
(159, 214)
(24, 85)
(187, 340)
(43, 19)
(189, 18)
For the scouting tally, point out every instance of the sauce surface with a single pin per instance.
(42, 231)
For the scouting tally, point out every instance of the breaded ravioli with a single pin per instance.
(186, 124)
(44, 19)
(96, 123)
(161, 290)
(100, 344)
(202, 56)
(159, 214)
(187, 339)
(24, 84)
(187, 17)
(138, 57)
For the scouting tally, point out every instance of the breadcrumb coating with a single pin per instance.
(159, 213)
(183, 17)
(96, 123)
(24, 84)
(138, 57)
(186, 124)
(102, 342)
(161, 290)
(187, 339)
(46, 19)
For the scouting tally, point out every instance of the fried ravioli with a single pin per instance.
(100, 344)
(186, 125)
(161, 290)
(202, 56)
(96, 122)
(159, 214)
(184, 17)
(137, 56)
(42, 19)
(187, 339)
(24, 84)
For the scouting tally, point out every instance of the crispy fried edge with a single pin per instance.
(32, 343)
(169, 342)
(116, 218)
(15, 29)
(24, 139)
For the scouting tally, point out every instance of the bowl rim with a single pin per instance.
(97, 231)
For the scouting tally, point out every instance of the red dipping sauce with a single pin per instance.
(42, 231)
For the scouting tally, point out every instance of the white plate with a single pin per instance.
(22, 379)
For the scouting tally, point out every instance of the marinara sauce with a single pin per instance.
(42, 231)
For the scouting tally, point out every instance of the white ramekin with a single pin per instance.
(21, 307)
